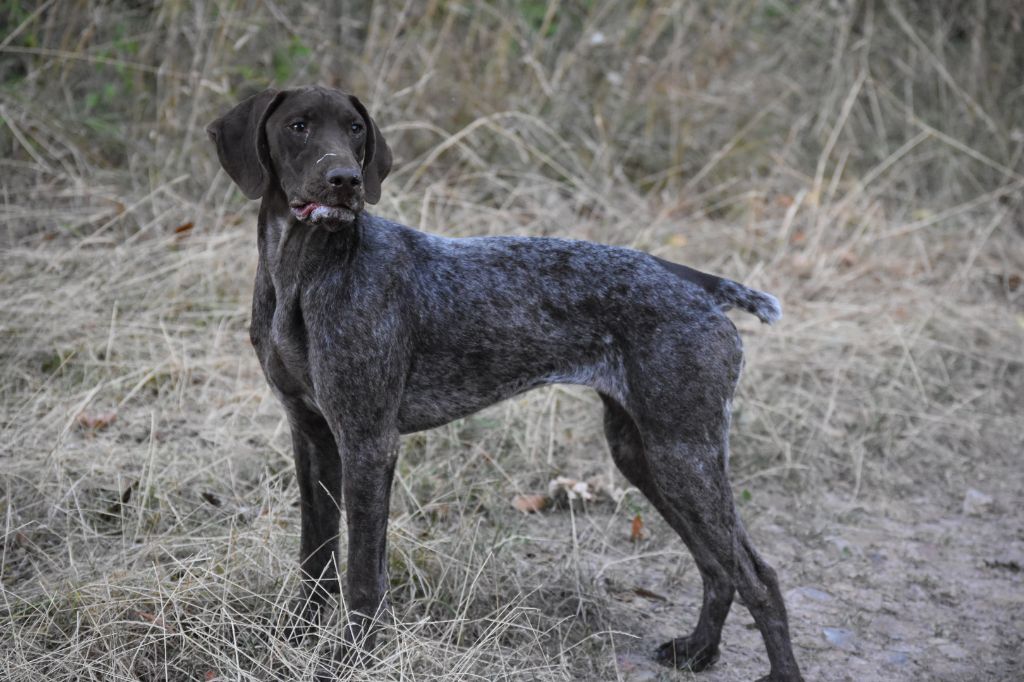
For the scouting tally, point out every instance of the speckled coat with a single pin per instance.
(367, 329)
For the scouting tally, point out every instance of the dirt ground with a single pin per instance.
(914, 588)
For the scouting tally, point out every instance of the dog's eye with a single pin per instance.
(298, 126)
(357, 128)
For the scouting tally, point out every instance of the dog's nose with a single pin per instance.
(339, 176)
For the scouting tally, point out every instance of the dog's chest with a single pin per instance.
(281, 341)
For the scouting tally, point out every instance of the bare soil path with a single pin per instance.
(903, 589)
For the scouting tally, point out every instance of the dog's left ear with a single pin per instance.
(376, 155)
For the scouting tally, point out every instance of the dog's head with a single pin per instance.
(318, 146)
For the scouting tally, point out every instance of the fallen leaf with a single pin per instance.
(152, 618)
(647, 594)
(97, 421)
(1011, 565)
(570, 487)
(637, 529)
(602, 486)
(530, 503)
(115, 510)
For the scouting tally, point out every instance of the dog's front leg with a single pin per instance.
(368, 462)
(318, 471)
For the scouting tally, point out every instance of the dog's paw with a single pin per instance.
(303, 619)
(350, 657)
(344, 661)
(684, 654)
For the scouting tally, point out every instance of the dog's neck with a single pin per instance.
(291, 249)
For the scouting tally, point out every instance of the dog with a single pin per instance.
(367, 329)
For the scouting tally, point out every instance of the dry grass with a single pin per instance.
(863, 163)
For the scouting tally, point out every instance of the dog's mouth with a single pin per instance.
(315, 212)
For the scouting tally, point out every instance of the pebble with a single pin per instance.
(953, 651)
(808, 594)
(635, 667)
(897, 657)
(842, 545)
(840, 638)
(815, 594)
(869, 600)
(977, 503)
(891, 627)
(917, 593)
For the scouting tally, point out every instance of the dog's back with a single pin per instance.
(491, 317)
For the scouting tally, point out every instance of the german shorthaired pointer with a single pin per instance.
(367, 329)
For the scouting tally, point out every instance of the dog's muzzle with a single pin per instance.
(315, 212)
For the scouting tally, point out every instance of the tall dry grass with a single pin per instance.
(861, 160)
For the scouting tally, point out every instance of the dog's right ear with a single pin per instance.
(242, 142)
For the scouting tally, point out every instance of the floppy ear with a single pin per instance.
(376, 155)
(242, 143)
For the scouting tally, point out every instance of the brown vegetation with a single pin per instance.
(863, 160)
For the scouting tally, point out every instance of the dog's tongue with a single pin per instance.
(302, 212)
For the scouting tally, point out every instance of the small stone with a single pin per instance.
(897, 658)
(877, 558)
(841, 638)
(977, 503)
(814, 594)
(917, 593)
(953, 651)
(870, 602)
(843, 546)
(636, 668)
(891, 627)
(806, 598)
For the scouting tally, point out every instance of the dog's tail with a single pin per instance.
(764, 305)
(728, 293)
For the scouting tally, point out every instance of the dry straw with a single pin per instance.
(860, 160)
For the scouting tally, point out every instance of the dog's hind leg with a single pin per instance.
(759, 588)
(679, 384)
(700, 649)
(689, 479)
